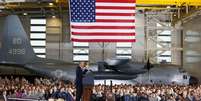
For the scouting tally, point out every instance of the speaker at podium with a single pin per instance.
(88, 79)
(88, 84)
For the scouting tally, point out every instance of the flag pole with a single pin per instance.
(103, 58)
(103, 51)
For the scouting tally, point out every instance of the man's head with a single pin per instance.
(83, 64)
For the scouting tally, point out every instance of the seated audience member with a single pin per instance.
(110, 96)
(51, 99)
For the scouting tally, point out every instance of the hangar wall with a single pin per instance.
(192, 46)
(177, 42)
(138, 49)
(58, 45)
(95, 49)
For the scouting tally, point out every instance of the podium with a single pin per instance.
(88, 84)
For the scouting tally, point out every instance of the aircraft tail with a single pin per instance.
(15, 47)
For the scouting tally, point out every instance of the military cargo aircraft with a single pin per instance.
(16, 50)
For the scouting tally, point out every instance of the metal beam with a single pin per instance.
(169, 2)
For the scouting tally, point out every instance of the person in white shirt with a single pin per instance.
(5, 96)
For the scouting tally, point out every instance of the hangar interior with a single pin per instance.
(167, 32)
(40, 61)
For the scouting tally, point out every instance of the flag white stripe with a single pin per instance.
(102, 37)
(102, 24)
(116, 17)
(114, 11)
(116, 4)
(103, 30)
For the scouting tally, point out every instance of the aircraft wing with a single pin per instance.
(53, 68)
(67, 71)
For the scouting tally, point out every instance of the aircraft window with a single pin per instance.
(79, 44)
(164, 53)
(39, 50)
(124, 51)
(38, 43)
(37, 33)
(38, 28)
(80, 51)
(164, 38)
(38, 36)
(124, 44)
(129, 57)
(38, 21)
(42, 56)
(164, 56)
(159, 46)
(164, 59)
(165, 32)
(80, 57)
(164, 44)
(161, 25)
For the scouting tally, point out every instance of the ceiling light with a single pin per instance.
(51, 4)
(168, 7)
(25, 14)
(53, 16)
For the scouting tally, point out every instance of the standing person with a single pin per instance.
(5, 96)
(80, 71)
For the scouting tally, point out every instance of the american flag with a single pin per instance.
(102, 20)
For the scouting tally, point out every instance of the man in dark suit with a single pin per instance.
(80, 71)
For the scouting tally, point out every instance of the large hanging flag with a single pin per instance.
(102, 20)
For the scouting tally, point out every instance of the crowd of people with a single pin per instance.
(139, 92)
(41, 88)
(48, 89)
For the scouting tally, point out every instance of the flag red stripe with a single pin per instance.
(109, 20)
(117, 1)
(103, 34)
(115, 14)
(103, 40)
(115, 7)
(103, 27)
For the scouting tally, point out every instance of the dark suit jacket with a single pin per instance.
(79, 75)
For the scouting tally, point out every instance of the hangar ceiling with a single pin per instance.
(179, 8)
